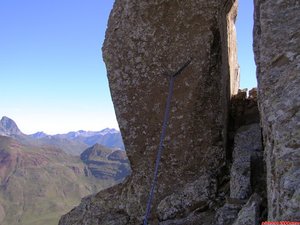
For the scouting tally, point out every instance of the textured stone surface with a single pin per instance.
(228, 213)
(194, 196)
(240, 212)
(145, 41)
(148, 39)
(277, 48)
(250, 213)
(195, 218)
(244, 110)
(246, 144)
(247, 173)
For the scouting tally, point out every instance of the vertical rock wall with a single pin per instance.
(148, 40)
(145, 42)
(276, 45)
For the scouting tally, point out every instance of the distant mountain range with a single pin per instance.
(39, 181)
(73, 142)
(39, 184)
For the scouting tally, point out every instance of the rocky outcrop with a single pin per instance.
(247, 144)
(147, 41)
(195, 195)
(276, 45)
(244, 110)
(250, 213)
(201, 180)
(245, 202)
(118, 155)
(9, 128)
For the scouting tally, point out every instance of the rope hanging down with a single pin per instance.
(162, 138)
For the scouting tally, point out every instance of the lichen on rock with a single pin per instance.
(148, 40)
(277, 56)
(145, 42)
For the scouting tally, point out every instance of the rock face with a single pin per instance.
(145, 42)
(199, 194)
(8, 127)
(244, 150)
(249, 214)
(276, 45)
(247, 173)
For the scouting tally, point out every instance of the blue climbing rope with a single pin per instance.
(160, 149)
(162, 138)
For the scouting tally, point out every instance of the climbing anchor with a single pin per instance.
(162, 137)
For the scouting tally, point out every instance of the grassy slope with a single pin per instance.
(42, 184)
(97, 158)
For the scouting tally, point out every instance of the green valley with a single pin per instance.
(39, 182)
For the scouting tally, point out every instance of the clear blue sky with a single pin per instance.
(244, 26)
(52, 76)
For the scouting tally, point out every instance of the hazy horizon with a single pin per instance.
(111, 128)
